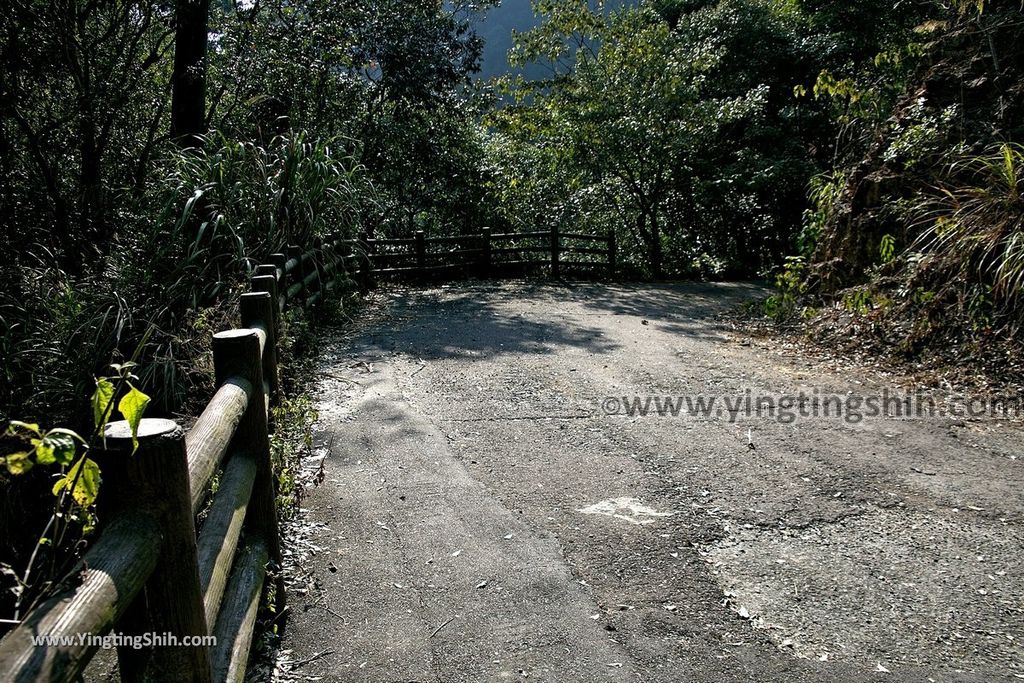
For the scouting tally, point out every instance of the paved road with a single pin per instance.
(481, 517)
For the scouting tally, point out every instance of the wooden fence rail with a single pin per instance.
(148, 571)
(486, 253)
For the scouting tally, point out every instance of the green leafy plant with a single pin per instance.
(292, 438)
(858, 300)
(55, 446)
(132, 405)
(922, 297)
(60, 446)
(823, 194)
(973, 228)
(78, 480)
(857, 101)
(923, 139)
(790, 286)
(979, 307)
(887, 248)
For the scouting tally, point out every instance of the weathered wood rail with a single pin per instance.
(148, 571)
(149, 574)
(484, 253)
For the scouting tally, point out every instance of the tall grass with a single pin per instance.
(178, 258)
(170, 278)
(973, 227)
(823, 192)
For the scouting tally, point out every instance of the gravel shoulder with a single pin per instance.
(481, 517)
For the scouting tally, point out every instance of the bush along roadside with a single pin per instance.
(65, 457)
(944, 289)
(170, 277)
(58, 460)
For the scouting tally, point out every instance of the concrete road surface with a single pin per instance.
(489, 510)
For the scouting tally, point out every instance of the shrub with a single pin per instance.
(973, 226)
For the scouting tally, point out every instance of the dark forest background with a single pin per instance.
(865, 156)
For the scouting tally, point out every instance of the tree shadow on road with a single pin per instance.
(472, 320)
(671, 300)
(688, 309)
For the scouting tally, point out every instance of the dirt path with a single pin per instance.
(481, 518)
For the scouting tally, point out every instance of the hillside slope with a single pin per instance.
(922, 252)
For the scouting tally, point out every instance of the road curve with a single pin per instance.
(482, 516)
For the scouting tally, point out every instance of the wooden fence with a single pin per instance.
(148, 571)
(484, 253)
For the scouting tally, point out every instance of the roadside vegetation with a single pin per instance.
(139, 190)
(866, 156)
(911, 245)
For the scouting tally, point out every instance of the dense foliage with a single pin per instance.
(152, 152)
(693, 128)
(914, 239)
(866, 153)
(324, 117)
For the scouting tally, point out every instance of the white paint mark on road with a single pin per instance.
(629, 509)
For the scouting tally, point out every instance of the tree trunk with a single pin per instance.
(641, 230)
(647, 224)
(88, 241)
(188, 99)
(657, 259)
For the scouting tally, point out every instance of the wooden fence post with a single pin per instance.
(421, 253)
(155, 480)
(332, 248)
(257, 310)
(320, 264)
(554, 251)
(272, 286)
(299, 274)
(365, 264)
(266, 280)
(237, 353)
(485, 252)
(612, 253)
(278, 260)
(265, 269)
(329, 255)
